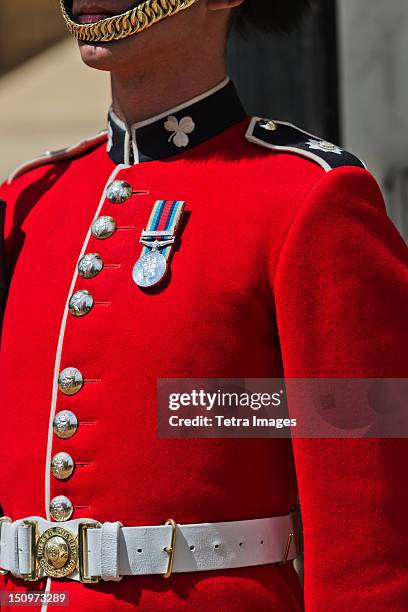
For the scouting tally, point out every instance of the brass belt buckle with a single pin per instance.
(57, 552)
(4, 519)
(83, 567)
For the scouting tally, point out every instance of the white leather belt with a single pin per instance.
(86, 550)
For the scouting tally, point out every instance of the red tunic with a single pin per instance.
(283, 267)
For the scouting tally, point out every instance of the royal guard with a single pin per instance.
(189, 240)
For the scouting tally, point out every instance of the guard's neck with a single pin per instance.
(139, 97)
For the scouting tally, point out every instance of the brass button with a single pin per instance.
(267, 124)
(103, 227)
(62, 465)
(61, 508)
(65, 424)
(118, 192)
(80, 303)
(90, 265)
(70, 381)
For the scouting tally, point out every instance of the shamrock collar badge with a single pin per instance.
(179, 130)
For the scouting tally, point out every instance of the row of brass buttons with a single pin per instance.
(70, 380)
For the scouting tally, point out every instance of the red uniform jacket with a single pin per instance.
(287, 265)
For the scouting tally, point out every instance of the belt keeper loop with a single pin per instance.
(291, 538)
(171, 550)
(110, 534)
(4, 519)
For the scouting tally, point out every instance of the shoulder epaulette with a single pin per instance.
(60, 155)
(282, 136)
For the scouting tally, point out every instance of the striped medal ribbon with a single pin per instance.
(158, 239)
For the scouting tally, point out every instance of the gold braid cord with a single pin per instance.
(132, 22)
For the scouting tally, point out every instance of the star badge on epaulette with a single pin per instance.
(323, 145)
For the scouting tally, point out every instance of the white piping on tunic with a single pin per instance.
(60, 346)
(136, 156)
(127, 148)
(54, 156)
(47, 589)
(316, 158)
(251, 138)
(186, 104)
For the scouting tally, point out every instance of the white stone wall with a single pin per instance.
(373, 37)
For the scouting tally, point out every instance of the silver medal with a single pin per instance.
(149, 269)
(152, 266)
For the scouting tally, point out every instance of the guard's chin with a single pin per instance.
(118, 55)
(97, 55)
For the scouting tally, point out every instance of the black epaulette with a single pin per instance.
(281, 136)
(61, 155)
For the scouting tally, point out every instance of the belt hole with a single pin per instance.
(139, 550)
(216, 545)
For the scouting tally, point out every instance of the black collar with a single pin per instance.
(176, 130)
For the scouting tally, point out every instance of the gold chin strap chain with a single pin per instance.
(132, 22)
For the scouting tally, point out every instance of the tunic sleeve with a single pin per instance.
(341, 295)
(3, 267)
